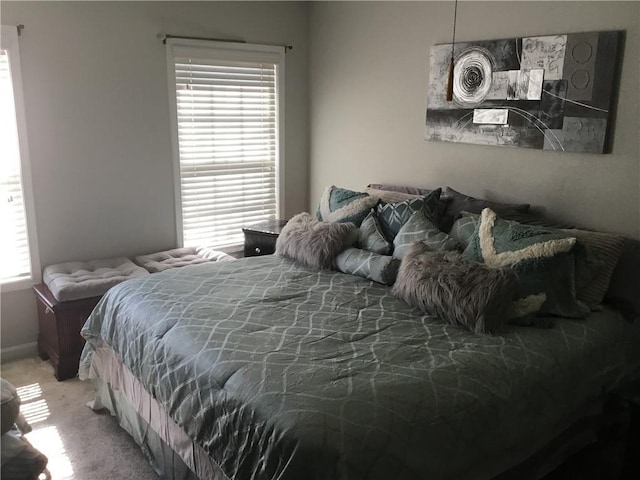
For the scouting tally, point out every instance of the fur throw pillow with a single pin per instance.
(457, 290)
(313, 242)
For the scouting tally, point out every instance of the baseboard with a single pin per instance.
(18, 352)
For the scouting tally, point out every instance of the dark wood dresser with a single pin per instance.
(59, 340)
(260, 239)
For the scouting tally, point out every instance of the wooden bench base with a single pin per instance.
(60, 323)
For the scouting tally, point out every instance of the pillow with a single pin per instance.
(312, 242)
(457, 202)
(464, 227)
(342, 205)
(370, 236)
(623, 287)
(416, 191)
(391, 196)
(542, 259)
(379, 268)
(455, 289)
(419, 229)
(595, 263)
(393, 216)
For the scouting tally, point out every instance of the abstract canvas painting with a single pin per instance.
(551, 92)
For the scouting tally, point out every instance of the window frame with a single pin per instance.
(9, 42)
(235, 52)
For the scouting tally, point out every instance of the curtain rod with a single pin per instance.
(164, 37)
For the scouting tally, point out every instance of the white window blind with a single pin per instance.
(228, 129)
(16, 262)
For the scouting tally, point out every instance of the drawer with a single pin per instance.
(256, 243)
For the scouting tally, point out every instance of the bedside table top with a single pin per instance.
(273, 227)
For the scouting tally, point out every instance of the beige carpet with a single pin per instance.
(80, 443)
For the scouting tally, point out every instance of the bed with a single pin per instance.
(264, 368)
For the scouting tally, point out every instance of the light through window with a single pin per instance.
(227, 131)
(17, 239)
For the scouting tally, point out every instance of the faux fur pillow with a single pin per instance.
(455, 289)
(313, 242)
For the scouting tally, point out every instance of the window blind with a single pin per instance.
(14, 241)
(227, 126)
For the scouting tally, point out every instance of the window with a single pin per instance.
(226, 101)
(20, 265)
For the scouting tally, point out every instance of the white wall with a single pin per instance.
(95, 88)
(368, 84)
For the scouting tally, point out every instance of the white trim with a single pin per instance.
(17, 285)
(175, 148)
(224, 51)
(280, 70)
(9, 42)
(18, 352)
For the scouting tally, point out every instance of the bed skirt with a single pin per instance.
(170, 451)
(173, 455)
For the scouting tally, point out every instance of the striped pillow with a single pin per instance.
(370, 236)
(595, 263)
(419, 229)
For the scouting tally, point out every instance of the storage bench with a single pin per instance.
(66, 299)
(60, 323)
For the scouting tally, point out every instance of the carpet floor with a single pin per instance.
(80, 443)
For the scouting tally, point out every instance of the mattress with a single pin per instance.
(276, 370)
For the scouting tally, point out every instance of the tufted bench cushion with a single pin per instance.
(76, 280)
(180, 257)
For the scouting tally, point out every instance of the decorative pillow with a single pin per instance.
(623, 287)
(379, 268)
(455, 289)
(393, 216)
(541, 258)
(595, 263)
(312, 242)
(416, 191)
(389, 196)
(457, 202)
(420, 229)
(464, 227)
(342, 205)
(370, 236)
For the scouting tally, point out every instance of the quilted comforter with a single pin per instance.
(279, 371)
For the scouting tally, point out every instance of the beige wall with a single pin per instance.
(368, 84)
(95, 88)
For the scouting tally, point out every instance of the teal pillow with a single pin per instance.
(542, 258)
(420, 229)
(370, 236)
(379, 268)
(342, 205)
(464, 227)
(394, 215)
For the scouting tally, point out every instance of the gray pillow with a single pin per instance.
(457, 202)
(370, 236)
(623, 287)
(595, 263)
(455, 289)
(379, 268)
(420, 229)
(312, 242)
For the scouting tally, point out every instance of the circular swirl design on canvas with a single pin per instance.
(472, 73)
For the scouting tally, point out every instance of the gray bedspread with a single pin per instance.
(282, 372)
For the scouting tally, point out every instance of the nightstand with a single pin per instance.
(260, 239)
